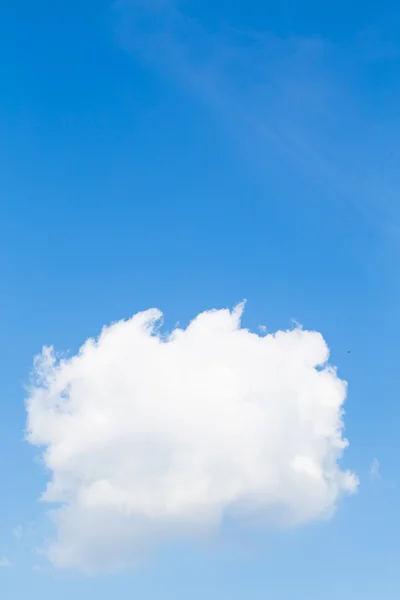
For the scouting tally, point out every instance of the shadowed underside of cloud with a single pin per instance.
(149, 436)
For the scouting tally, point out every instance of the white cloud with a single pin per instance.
(375, 469)
(5, 563)
(37, 569)
(148, 436)
(18, 532)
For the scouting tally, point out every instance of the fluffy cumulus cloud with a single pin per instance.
(149, 436)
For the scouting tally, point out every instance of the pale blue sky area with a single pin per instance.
(187, 155)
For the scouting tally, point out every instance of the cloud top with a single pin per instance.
(148, 436)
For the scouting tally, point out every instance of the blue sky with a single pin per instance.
(187, 155)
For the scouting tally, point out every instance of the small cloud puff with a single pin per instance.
(18, 532)
(148, 437)
(5, 563)
(375, 470)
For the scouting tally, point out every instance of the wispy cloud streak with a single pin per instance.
(285, 100)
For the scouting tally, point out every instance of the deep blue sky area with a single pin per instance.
(186, 156)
